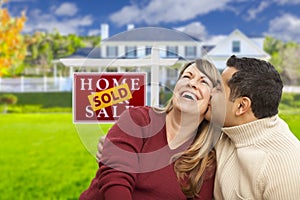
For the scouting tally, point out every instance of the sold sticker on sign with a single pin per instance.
(109, 97)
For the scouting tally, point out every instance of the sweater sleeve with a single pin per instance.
(281, 177)
(116, 176)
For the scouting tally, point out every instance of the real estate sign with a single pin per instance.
(102, 97)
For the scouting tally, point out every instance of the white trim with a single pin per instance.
(89, 62)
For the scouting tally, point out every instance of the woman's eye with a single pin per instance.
(185, 76)
(205, 82)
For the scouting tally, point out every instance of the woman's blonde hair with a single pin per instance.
(192, 164)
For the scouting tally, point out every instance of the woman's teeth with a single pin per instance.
(189, 95)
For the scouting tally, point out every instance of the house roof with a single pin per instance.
(87, 52)
(147, 34)
(256, 51)
(206, 48)
(152, 34)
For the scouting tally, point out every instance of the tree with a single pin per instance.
(43, 48)
(40, 53)
(12, 45)
(272, 47)
(285, 57)
(290, 63)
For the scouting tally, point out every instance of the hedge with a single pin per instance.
(44, 99)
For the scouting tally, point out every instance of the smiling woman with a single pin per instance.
(176, 143)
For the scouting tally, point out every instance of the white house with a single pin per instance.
(133, 50)
(238, 44)
(129, 50)
(155, 50)
(137, 43)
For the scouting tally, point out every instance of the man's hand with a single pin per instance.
(100, 148)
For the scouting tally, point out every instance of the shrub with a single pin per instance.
(41, 102)
(8, 99)
(287, 99)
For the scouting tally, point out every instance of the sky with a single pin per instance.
(206, 20)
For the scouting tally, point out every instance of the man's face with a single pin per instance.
(230, 118)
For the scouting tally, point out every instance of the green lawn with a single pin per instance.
(293, 120)
(45, 156)
(42, 157)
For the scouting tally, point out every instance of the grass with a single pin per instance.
(42, 157)
(293, 122)
(45, 156)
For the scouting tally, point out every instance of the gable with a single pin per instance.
(248, 47)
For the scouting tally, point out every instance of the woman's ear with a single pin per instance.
(244, 105)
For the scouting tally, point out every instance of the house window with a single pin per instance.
(236, 46)
(111, 69)
(172, 51)
(190, 52)
(112, 51)
(131, 51)
(148, 50)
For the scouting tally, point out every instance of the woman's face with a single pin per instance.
(192, 92)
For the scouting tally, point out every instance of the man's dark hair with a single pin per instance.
(257, 80)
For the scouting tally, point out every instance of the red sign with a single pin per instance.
(102, 97)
